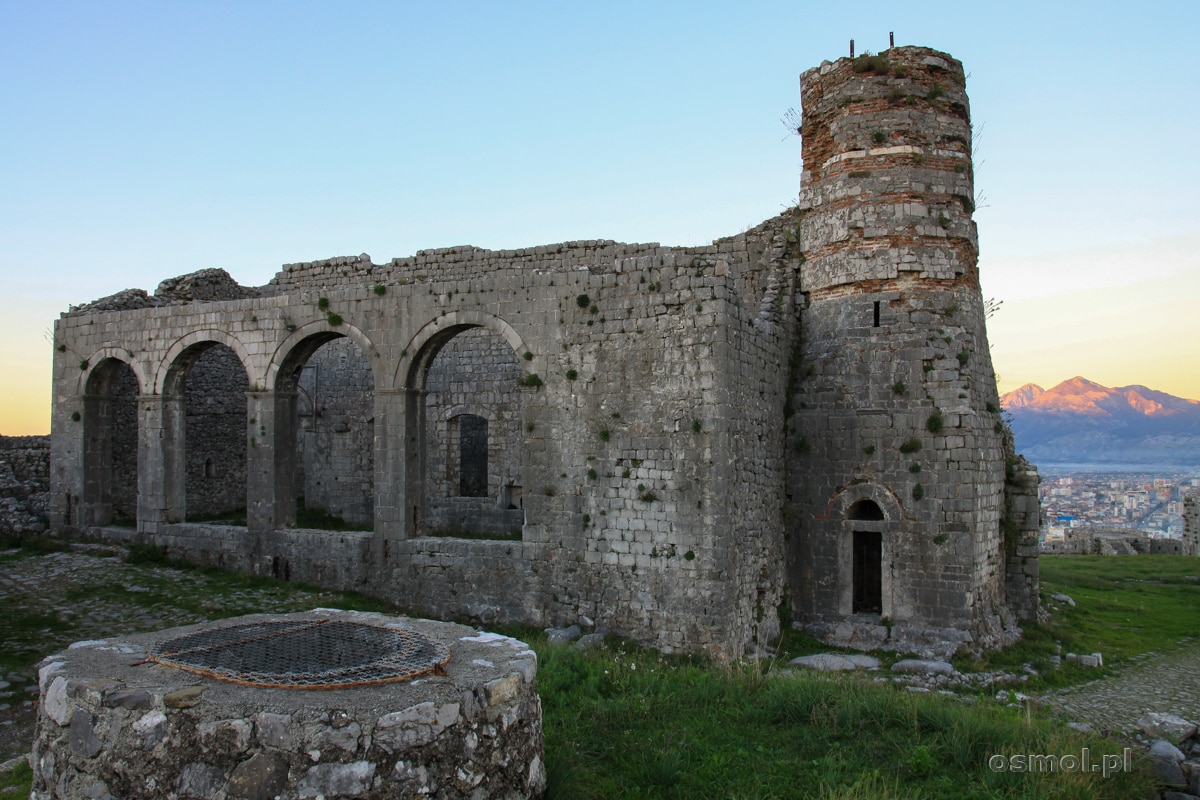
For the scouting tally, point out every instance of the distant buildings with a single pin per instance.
(1141, 505)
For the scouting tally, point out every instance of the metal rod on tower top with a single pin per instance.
(891, 38)
(852, 48)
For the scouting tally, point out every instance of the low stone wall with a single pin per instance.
(24, 483)
(114, 725)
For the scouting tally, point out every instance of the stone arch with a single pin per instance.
(324, 381)
(465, 364)
(841, 502)
(864, 509)
(168, 367)
(116, 354)
(871, 518)
(111, 390)
(301, 343)
(429, 340)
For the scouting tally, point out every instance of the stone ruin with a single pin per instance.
(294, 706)
(688, 446)
(24, 484)
(1190, 546)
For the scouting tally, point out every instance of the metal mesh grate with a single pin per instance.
(305, 654)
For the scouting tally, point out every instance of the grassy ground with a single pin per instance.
(1125, 606)
(632, 724)
(627, 723)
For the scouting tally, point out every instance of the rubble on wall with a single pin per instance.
(205, 284)
(201, 285)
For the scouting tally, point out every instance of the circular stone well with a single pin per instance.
(322, 704)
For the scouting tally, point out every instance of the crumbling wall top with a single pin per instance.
(202, 285)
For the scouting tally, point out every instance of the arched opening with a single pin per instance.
(867, 558)
(110, 436)
(331, 439)
(210, 381)
(865, 510)
(472, 437)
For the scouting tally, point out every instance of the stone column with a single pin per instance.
(96, 508)
(161, 488)
(391, 419)
(270, 461)
(1022, 521)
(412, 460)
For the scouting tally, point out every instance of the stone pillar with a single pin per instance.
(1191, 525)
(96, 508)
(1022, 520)
(412, 455)
(270, 461)
(160, 459)
(390, 445)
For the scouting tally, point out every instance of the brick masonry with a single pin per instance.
(681, 442)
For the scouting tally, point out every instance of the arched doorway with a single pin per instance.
(213, 385)
(471, 441)
(866, 518)
(110, 454)
(329, 440)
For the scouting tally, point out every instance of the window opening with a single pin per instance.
(472, 456)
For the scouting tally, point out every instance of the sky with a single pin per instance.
(144, 140)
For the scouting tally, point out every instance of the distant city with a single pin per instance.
(1147, 499)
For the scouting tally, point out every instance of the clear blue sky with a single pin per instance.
(144, 140)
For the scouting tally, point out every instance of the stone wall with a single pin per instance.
(24, 483)
(1022, 521)
(336, 431)
(215, 401)
(657, 420)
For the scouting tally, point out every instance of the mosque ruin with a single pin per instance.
(689, 446)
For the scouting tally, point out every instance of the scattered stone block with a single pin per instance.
(1165, 762)
(1170, 727)
(923, 666)
(561, 635)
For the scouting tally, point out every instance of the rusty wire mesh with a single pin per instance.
(304, 654)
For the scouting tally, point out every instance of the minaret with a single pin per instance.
(896, 467)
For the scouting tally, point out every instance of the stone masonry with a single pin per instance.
(24, 482)
(688, 446)
(1191, 525)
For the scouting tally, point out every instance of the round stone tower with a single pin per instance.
(896, 462)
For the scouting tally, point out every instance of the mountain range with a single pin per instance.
(1081, 422)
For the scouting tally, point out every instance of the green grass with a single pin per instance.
(17, 780)
(1124, 606)
(628, 723)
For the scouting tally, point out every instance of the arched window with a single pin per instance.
(865, 510)
(472, 456)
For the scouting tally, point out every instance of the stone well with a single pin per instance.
(406, 708)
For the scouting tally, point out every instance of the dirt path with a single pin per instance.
(1152, 682)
